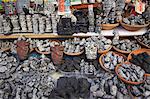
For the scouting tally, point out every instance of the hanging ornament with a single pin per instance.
(10, 7)
(61, 7)
(139, 6)
(127, 1)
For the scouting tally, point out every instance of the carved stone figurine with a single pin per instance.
(54, 23)
(98, 24)
(91, 51)
(91, 19)
(23, 24)
(1, 24)
(15, 23)
(87, 68)
(48, 25)
(57, 54)
(35, 23)
(22, 48)
(7, 26)
(29, 23)
(41, 24)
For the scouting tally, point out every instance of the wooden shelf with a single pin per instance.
(82, 6)
(122, 32)
(31, 35)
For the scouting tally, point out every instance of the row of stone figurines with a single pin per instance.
(28, 23)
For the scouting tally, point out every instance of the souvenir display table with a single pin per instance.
(75, 49)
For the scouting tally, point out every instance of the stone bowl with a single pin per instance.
(132, 27)
(105, 51)
(109, 26)
(127, 81)
(46, 53)
(138, 52)
(102, 63)
(74, 54)
(122, 51)
(142, 43)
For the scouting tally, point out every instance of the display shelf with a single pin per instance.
(31, 35)
(122, 32)
(82, 6)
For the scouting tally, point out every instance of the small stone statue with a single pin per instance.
(48, 25)
(35, 23)
(116, 37)
(7, 26)
(23, 24)
(54, 23)
(91, 19)
(29, 23)
(57, 54)
(41, 24)
(15, 23)
(91, 51)
(98, 24)
(1, 24)
(21, 48)
(87, 68)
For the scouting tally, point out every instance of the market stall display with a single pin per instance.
(79, 61)
(107, 86)
(102, 43)
(134, 23)
(110, 60)
(57, 54)
(73, 47)
(44, 46)
(141, 58)
(130, 73)
(125, 45)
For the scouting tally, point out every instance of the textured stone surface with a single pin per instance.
(145, 38)
(107, 86)
(73, 46)
(125, 44)
(111, 60)
(71, 88)
(131, 72)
